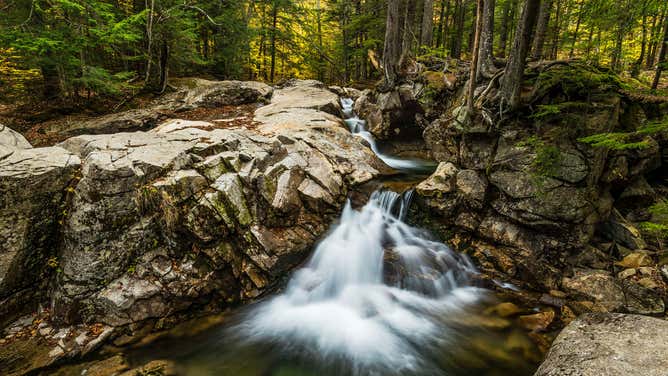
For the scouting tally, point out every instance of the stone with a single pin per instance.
(505, 309)
(626, 273)
(597, 285)
(636, 260)
(471, 186)
(440, 182)
(34, 185)
(618, 229)
(609, 344)
(538, 321)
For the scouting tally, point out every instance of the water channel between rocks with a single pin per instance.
(377, 297)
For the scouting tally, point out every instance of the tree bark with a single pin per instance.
(441, 19)
(577, 30)
(635, 72)
(427, 23)
(458, 36)
(274, 21)
(557, 30)
(485, 64)
(514, 72)
(392, 49)
(506, 23)
(541, 29)
(662, 57)
(475, 56)
(409, 28)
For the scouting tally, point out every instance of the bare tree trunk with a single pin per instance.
(458, 36)
(485, 65)
(541, 29)
(514, 72)
(662, 56)
(274, 20)
(409, 28)
(635, 72)
(651, 58)
(506, 23)
(164, 66)
(475, 55)
(427, 23)
(149, 41)
(557, 30)
(652, 45)
(577, 30)
(321, 74)
(392, 50)
(441, 19)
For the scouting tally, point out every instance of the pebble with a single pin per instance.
(626, 273)
(648, 283)
(45, 331)
(57, 351)
(646, 270)
(62, 333)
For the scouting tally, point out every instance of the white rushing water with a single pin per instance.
(357, 126)
(373, 295)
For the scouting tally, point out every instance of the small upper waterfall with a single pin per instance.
(373, 295)
(357, 126)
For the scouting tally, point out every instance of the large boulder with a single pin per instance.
(188, 213)
(33, 186)
(611, 345)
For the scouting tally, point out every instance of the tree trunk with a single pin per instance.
(514, 72)
(506, 22)
(635, 72)
(662, 56)
(652, 44)
(577, 30)
(541, 29)
(321, 74)
(164, 66)
(409, 28)
(485, 65)
(149, 41)
(427, 23)
(557, 30)
(427, 29)
(651, 58)
(52, 86)
(475, 56)
(458, 36)
(274, 19)
(392, 50)
(441, 19)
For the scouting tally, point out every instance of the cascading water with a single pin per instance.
(378, 297)
(347, 306)
(357, 126)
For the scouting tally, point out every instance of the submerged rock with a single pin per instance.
(609, 344)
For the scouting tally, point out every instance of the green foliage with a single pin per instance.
(658, 226)
(627, 140)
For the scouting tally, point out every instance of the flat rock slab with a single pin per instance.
(609, 345)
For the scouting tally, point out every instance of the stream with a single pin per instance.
(377, 297)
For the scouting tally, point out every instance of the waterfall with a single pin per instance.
(373, 295)
(357, 126)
